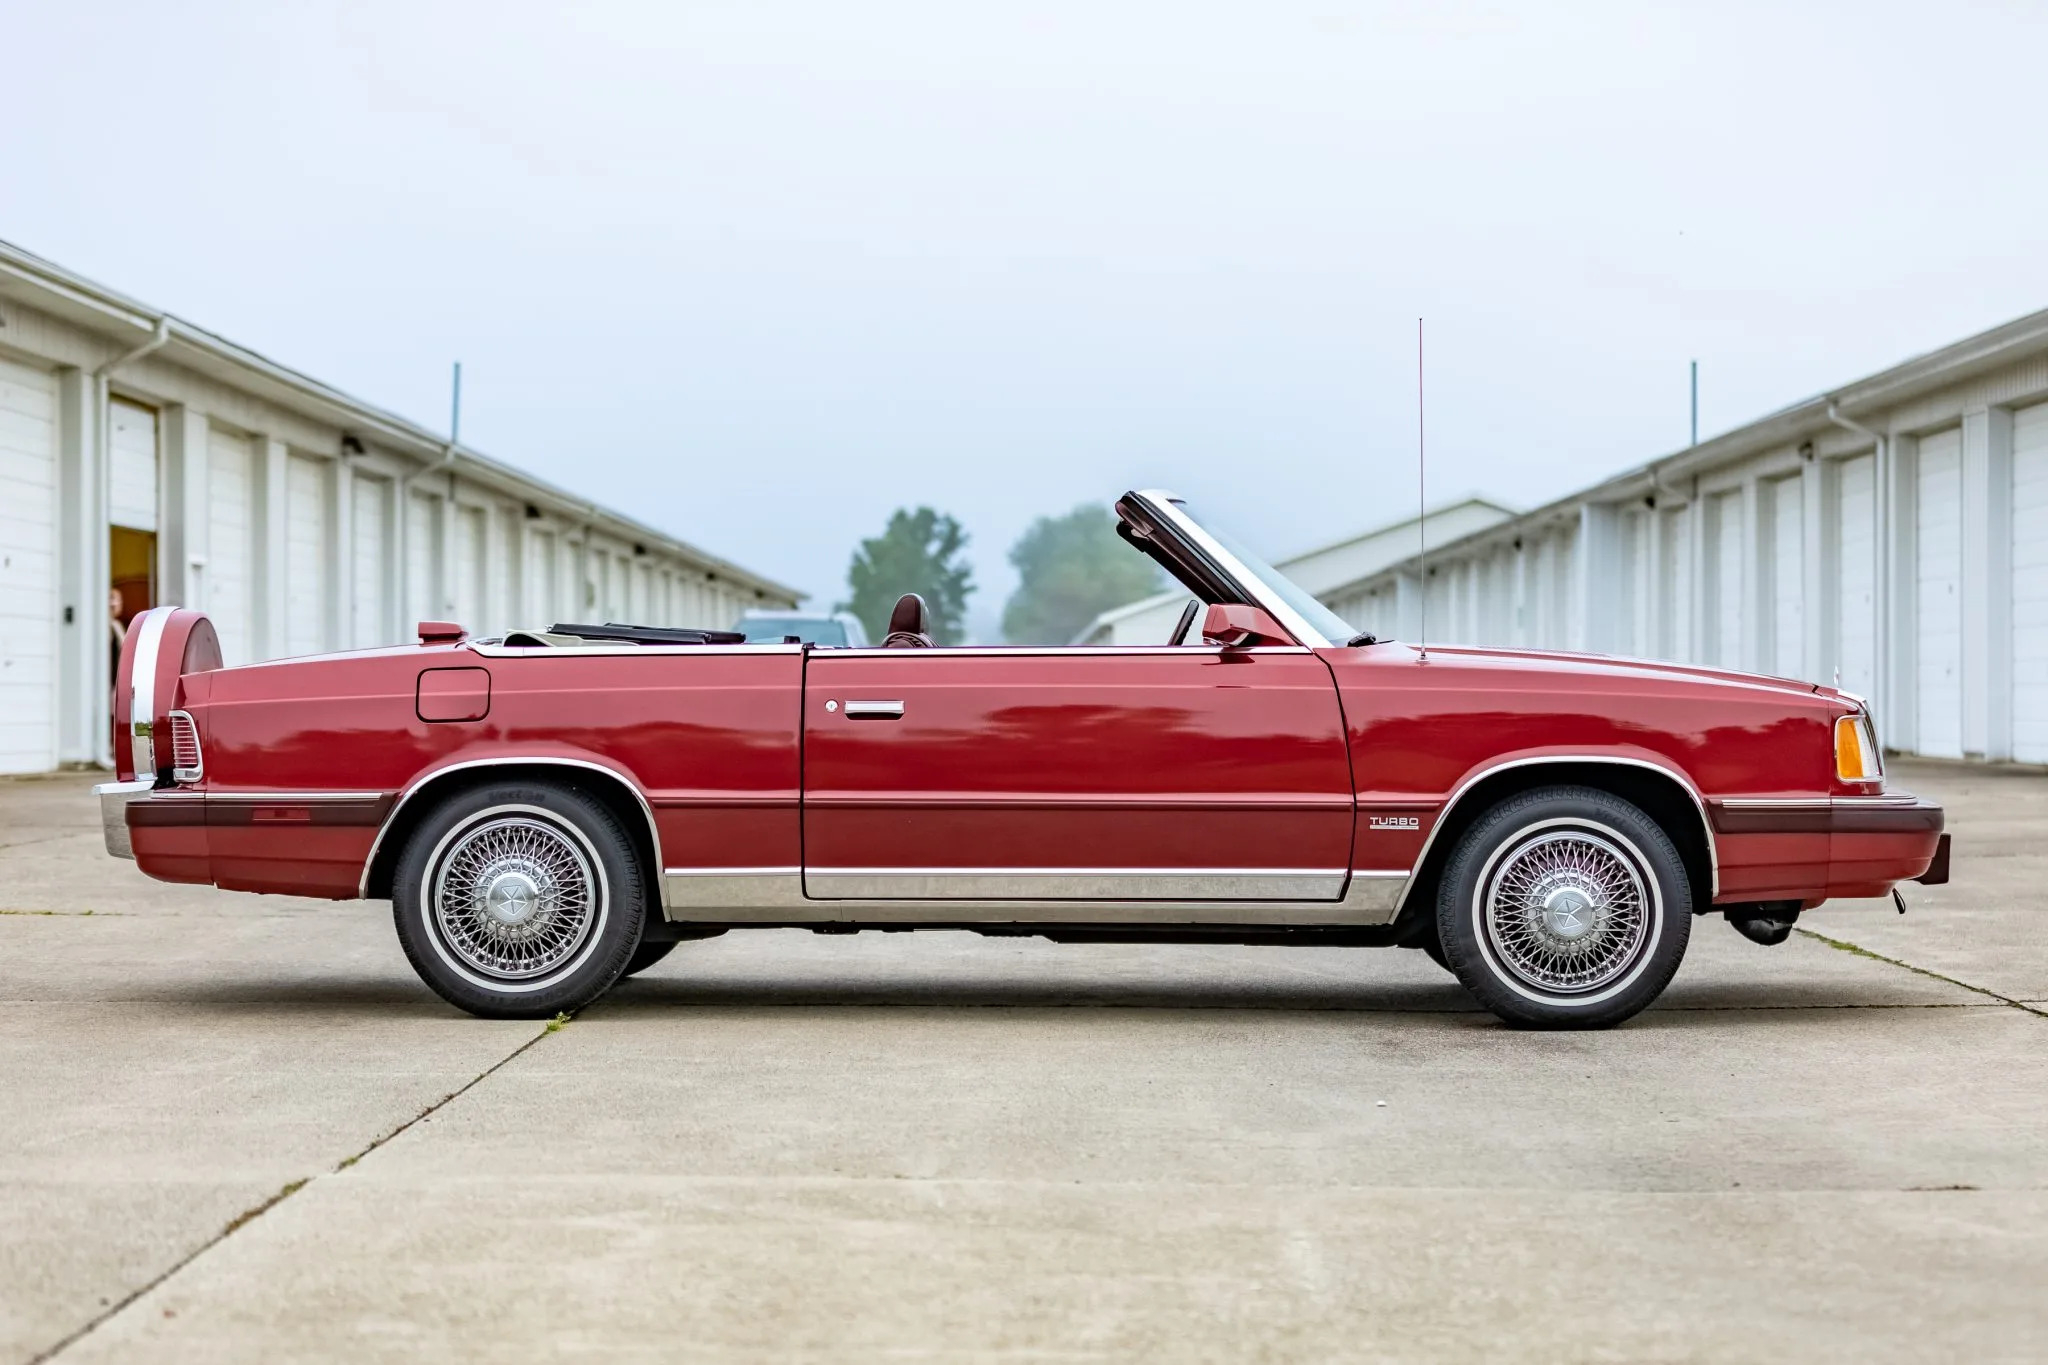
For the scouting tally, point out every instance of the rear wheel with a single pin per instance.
(519, 900)
(1564, 907)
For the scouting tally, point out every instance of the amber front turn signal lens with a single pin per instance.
(1856, 754)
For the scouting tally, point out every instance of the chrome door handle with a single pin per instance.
(874, 710)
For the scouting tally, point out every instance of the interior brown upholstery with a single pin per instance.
(909, 624)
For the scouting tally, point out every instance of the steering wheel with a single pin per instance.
(1186, 622)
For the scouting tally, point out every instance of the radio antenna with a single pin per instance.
(1421, 505)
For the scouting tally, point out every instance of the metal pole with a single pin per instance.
(1694, 400)
(455, 409)
(1421, 507)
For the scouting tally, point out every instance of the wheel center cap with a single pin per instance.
(512, 898)
(1568, 913)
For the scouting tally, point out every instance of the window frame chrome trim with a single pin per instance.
(1170, 505)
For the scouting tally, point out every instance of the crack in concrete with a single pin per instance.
(44, 839)
(257, 1210)
(1844, 946)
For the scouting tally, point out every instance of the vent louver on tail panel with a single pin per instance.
(186, 765)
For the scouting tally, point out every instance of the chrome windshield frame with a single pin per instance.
(1172, 511)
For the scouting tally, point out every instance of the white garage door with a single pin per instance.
(28, 571)
(1856, 542)
(1786, 500)
(424, 599)
(2030, 584)
(305, 556)
(1938, 634)
(369, 562)
(694, 609)
(469, 568)
(229, 544)
(1674, 637)
(542, 597)
(1436, 594)
(599, 593)
(1724, 520)
(1632, 573)
(1500, 599)
(131, 454)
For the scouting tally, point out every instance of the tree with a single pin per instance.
(918, 552)
(1073, 567)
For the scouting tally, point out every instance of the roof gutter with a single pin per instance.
(93, 307)
(157, 338)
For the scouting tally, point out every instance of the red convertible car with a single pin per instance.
(549, 811)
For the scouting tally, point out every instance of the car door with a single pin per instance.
(1107, 774)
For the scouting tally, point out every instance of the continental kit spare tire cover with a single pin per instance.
(163, 645)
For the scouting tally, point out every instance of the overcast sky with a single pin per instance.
(759, 272)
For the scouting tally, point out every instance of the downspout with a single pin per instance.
(103, 447)
(1882, 476)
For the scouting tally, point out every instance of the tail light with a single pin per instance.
(1857, 757)
(186, 763)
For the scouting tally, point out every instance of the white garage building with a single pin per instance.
(140, 452)
(1891, 535)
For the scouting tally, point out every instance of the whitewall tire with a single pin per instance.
(1564, 907)
(519, 900)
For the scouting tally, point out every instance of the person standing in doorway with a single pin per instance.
(120, 629)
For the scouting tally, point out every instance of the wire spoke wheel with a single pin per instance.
(1567, 911)
(515, 896)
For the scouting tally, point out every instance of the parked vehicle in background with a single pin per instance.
(551, 810)
(777, 627)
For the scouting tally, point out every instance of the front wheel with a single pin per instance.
(519, 900)
(1565, 907)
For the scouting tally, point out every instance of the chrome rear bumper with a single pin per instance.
(114, 798)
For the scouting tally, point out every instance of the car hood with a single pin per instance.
(1617, 666)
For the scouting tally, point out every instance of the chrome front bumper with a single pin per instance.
(114, 798)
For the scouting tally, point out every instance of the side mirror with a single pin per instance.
(442, 633)
(1235, 625)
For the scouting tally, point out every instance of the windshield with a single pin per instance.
(817, 630)
(1329, 624)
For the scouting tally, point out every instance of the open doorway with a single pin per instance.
(131, 561)
(131, 556)
(132, 513)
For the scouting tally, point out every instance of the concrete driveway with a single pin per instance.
(237, 1128)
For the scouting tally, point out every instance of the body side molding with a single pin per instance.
(776, 895)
